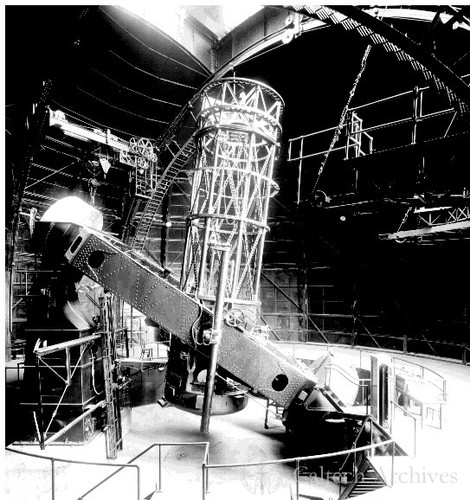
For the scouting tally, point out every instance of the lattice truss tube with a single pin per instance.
(238, 129)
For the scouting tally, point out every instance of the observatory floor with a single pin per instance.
(440, 468)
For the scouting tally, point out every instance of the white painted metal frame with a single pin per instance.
(237, 140)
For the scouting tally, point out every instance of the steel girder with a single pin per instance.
(380, 32)
(249, 358)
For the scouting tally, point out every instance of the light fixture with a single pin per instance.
(105, 165)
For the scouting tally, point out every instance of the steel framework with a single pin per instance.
(433, 220)
(237, 140)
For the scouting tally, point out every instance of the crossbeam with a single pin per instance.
(424, 231)
(44, 351)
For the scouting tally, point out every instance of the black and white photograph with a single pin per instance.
(237, 251)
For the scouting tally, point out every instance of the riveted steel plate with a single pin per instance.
(254, 361)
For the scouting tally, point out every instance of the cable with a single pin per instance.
(343, 117)
(121, 109)
(151, 74)
(78, 160)
(136, 92)
(53, 173)
(75, 177)
(50, 148)
(72, 114)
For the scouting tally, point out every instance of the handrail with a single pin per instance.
(403, 409)
(385, 99)
(121, 466)
(367, 419)
(17, 368)
(154, 445)
(355, 442)
(312, 133)
(366, 105)
(420, 366)
(442, 390)
(415, 116)
(342, 372)
(80, 462)
(396, 405)
(346, 375)
(299, 459)
(426, 369)
(206, 466)
(404, 339)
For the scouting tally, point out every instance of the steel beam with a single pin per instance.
(417, 52)
(246, 357)
(425, 231)
(43, 351)
(74, 422)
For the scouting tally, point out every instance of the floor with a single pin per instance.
(439, 471)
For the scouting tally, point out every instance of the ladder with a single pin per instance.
(179, 160)
(113, 429)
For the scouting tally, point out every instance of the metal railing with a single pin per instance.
(158, 486)
(419, 374)
(205, 466)
(356, 139)
(54, 460)
(393, 343)
(355, 124)
(297, 460)
(363, 384)
(408, 414)
(126, 343)
(355, 451)
(425, 373)
(354, 135)
(18, 368)
(120, 467)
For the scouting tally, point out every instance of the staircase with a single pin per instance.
(180, 158)
(366, 480)
(333, 398)
(316, 366)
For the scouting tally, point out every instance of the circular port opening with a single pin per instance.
(280, 382)
(96, 258)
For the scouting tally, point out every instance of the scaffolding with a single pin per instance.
(65, 372)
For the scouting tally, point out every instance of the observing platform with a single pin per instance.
(438, 471)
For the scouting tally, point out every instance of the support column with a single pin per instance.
(215, 337)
